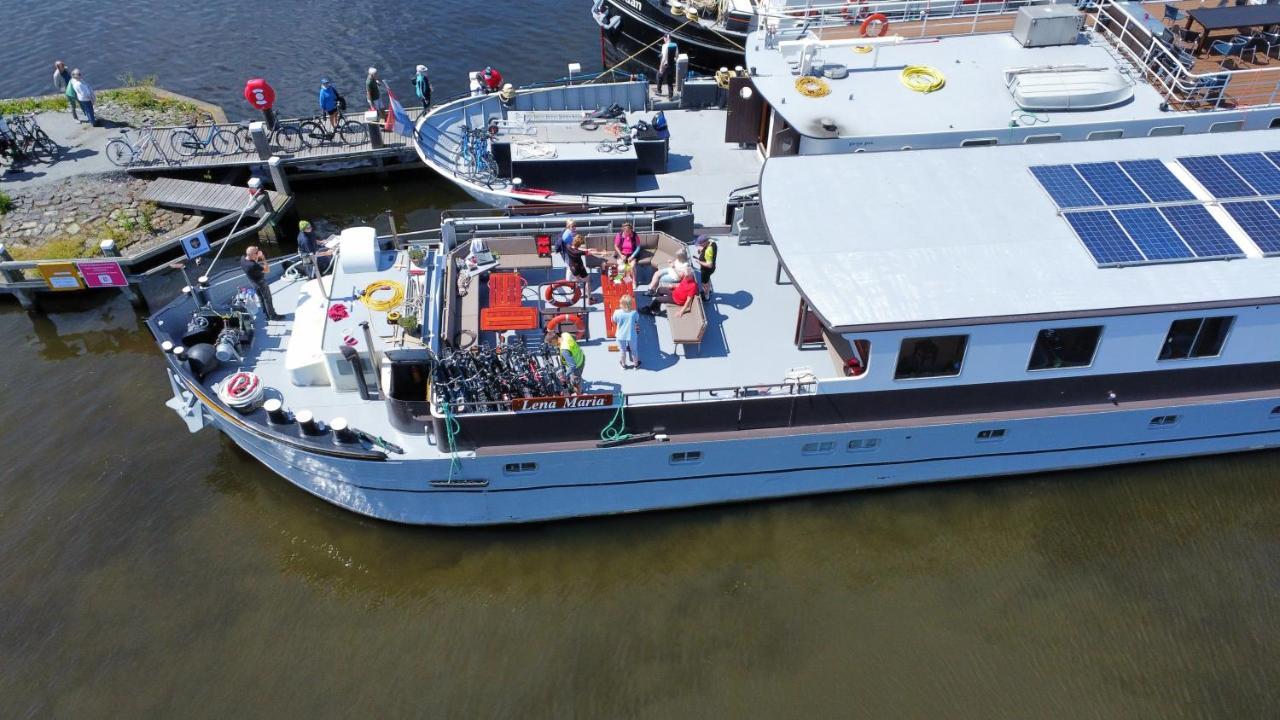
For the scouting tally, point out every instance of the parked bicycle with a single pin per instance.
(125, 151)
(31, 138)
(287, 136)
(317, 131)
(477, 161)
(187, 143)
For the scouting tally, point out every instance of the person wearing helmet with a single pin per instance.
(329, 101)
(422, 87)
(492, 79)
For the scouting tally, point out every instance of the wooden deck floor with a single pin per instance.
(204, 196)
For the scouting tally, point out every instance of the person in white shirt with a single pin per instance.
(84, 95)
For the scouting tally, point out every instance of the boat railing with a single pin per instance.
(667, 397)
(1171, 71)
(909, 18)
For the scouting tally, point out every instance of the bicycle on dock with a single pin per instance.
(317, 131)
(126, 151)
(31, 138)
(187, 143)
(287, 136)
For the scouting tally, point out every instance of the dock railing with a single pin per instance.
(909, 18)
(1171, 70)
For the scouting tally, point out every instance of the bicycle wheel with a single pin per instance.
(120, 153)
(288, 138)
(313, 133)
(185, 143)
(244, 141)
(352, 133)
(45, 142)
(224, 142)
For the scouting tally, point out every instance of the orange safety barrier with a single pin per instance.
(508, 318)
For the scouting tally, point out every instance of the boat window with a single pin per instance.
(1106, 135)
(1166, 130)
(1064, 347)
(521, 468)
(925, 357)
(1195, 338)
(1275, 123)
(1163, 421)
(989, 435)
(979, 142)
(818, 448)
(870, 444)
(1275, 411)
(1230, 126)
(1037, 139)
(685, 458)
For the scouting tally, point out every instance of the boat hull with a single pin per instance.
(588, 482)
(641, 24)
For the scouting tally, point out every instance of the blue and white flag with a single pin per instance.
(398, 120)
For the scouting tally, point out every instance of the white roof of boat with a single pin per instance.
(873, 101)
(935, 236)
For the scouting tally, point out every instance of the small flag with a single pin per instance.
(398, 120)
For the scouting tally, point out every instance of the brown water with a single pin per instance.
(148, 572)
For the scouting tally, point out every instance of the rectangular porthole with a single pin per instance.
(1166, 131)
(818, 448)
(686, 458)
(1039, 139)
(1163, 421)
(863, 445)
(991, 435)
(1229, 126)
(520, 468)
(979, 142)
(1106, 135)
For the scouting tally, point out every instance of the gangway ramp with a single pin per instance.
(206, 196)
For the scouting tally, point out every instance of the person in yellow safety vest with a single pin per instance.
(572, 356)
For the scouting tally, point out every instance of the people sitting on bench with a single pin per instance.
(673, 273)
(626, 243)
(682, 294)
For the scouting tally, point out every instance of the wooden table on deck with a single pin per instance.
(1233, 18)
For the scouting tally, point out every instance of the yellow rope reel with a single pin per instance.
(862, 49)
(922, 78)
(384, 304)
(814, 87)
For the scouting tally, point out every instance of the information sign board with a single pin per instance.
(101, 274)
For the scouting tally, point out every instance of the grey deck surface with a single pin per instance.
(969, 233)
(203, 196)
(873, 101)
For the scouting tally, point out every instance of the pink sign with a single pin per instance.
(98, 274)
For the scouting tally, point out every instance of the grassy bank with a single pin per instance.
(134, 94)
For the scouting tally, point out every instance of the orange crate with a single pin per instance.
(508, 318)
(505, 289)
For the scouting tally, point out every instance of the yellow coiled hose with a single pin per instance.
(385, 304)
(922, 78)
(813, 87)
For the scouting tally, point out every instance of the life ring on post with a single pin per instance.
(875, 17)
(554, 298)
(580, 328)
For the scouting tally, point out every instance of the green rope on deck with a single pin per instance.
(617, 427)
(451, 428)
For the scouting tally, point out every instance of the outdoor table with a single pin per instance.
(1222, 18)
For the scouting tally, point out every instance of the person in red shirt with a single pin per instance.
(492, 79)
(681, 294)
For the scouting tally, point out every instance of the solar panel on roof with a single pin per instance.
(1152, 234)
(1156, 181)
(1103, 238)
(1111, 184)
(1257, 171)
(1274, 157)
(1216, 176)
(1201, 232)
(1065, 186)
(1259, 221)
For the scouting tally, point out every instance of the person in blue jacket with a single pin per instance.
(329, 101)
(422, 87)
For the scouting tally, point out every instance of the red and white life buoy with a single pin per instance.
(556, 299)
(580, 328)
(872, 18)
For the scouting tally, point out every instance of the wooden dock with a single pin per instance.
(205, 196)
(162, 159)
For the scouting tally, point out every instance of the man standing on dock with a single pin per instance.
(255, 267)
(373, 93)
(84, 95)
(422, 87)
(62, 81)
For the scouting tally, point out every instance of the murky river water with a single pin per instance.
(148, 572)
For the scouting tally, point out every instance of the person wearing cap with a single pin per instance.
(492, 79)
(373, 92)
(422, 87)
(507, 95)
(310, 248)
(329, 101)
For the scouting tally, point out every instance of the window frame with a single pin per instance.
(964, 357)
(1102, 329)
(1231, 326)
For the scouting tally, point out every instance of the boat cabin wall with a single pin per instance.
(1010, 352)
(1173, 123)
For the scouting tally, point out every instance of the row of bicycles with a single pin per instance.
(475, 159)
(208, 138)
(484, 379)
(22, 140)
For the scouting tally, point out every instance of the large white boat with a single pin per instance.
(875, 319)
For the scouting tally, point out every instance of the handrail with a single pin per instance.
(819, 16)
(716, 394)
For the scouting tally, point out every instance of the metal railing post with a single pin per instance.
(26, 298)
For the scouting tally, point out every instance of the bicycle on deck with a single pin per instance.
(125, 151)
(187, 143)
(317, 131)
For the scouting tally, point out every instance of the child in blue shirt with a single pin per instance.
(626, 320)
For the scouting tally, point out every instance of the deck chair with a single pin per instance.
(1173, 14)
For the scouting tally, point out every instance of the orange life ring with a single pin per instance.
(875, 17)
(550, 293)
(553, 325)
